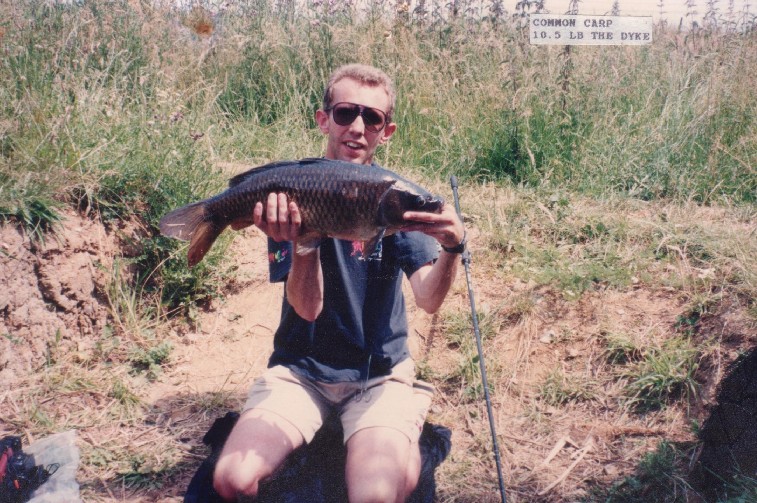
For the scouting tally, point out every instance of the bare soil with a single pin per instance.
(55, 310)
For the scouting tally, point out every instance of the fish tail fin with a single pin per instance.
(188, 223)
(202, 239)
(182, 223)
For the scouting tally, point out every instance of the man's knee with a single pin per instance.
(231, 480)
(257, 445)
(382, 466)
(375, 491)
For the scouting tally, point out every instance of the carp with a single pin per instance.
(336, 199)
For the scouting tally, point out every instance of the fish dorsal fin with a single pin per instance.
(241, 177)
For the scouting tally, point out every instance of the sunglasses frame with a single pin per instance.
(361, 113)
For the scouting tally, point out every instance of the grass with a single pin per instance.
(458, 328)
(585, 175)
(663, 373)
(660, 476)
(559, 389)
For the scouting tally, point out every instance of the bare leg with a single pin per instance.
(258, 444)
(382, 466)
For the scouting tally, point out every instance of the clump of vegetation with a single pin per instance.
(660, 476)
(560, 389)
(458, 328)
(663, 373)
(151, 359)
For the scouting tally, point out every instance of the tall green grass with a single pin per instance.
(126, 108)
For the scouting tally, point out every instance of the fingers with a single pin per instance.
(446, 227)
(295, 215)
(281, 219)
(280, 202)
(257, 216)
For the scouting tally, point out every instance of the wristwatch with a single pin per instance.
(460, 248)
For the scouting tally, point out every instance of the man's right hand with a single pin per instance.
(282, 222)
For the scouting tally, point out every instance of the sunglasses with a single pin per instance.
(345, 114)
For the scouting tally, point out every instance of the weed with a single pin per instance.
(742, 489)
(424, 371)
(663, 373)
(559, 389)
(121, 392)
(519, 306)
(458, 328)
(660, 477)
(37, 215)
(151, 359)
(145, 475)
(621, 349)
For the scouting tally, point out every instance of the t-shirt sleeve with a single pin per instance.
(413, 250)
(279, 260)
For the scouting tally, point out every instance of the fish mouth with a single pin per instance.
(435, 204)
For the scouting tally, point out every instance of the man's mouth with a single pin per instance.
(353, 145)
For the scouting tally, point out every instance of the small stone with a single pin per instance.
(547, 337)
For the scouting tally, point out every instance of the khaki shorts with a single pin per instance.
(396, 401)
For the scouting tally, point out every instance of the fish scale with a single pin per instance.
(335, 198)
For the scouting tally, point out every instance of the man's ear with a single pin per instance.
(388, 131)
(322, 118)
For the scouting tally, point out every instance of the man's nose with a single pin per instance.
(358, 125)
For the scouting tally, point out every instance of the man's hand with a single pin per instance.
(283, 221)
(446, 227)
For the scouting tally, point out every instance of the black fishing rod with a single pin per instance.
(477, 333)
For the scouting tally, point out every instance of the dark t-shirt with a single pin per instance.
(362, 329)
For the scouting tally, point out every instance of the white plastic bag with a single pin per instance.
(59, 449)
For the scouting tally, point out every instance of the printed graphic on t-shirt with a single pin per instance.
(278, 256)
(358, 250)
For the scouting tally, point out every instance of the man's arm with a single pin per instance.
(431, 283)
(304, 286)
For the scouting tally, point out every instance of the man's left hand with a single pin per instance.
(446, 227)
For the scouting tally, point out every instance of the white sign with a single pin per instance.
(556, 29)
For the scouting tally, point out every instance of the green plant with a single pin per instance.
(125, 396)
(559, 389)
(458, 328)
(621, 349)
(145, 475)
(660, 477)
(151, 359)
(663, 373)
(37, 216)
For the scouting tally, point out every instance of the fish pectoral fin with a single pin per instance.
(370, 246)
(308, 244)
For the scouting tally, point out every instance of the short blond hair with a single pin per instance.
(366, 75)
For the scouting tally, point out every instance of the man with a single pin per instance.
(342, 340)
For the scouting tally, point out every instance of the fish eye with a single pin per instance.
(421, 201)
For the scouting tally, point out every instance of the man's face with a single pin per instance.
(353, 142)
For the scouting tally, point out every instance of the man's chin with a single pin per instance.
(356, 156)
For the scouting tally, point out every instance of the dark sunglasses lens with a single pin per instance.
(373, 119)
(344, 115)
